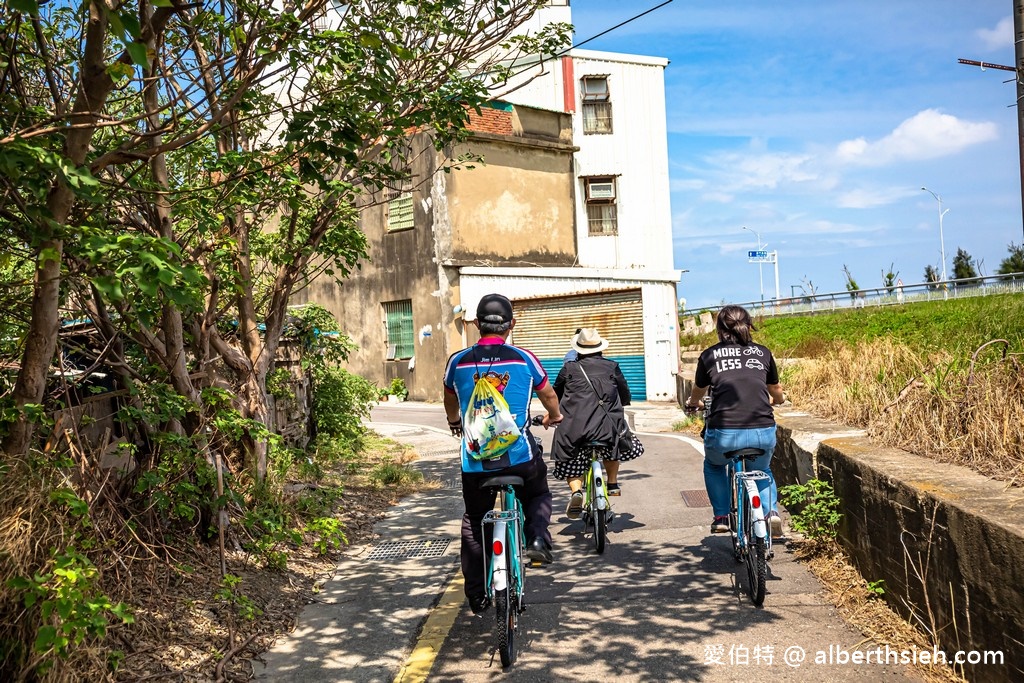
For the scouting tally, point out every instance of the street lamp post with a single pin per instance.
(942, 241)
(760, 273)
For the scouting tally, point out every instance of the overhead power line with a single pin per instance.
(619, 25)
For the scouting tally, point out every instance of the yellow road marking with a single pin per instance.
(435, 630)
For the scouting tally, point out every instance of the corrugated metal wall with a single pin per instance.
(546, 325)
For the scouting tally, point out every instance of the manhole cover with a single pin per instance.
(431, 547)
(696, 498)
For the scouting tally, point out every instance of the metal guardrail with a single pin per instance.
(881, 296)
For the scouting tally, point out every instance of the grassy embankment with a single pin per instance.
(912, 376)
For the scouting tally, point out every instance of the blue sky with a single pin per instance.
(816, 124)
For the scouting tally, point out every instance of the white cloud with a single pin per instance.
(766, 171)
(999, 37)
(869, 198)
(929, 134)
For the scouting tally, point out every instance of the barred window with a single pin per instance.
(398, 316)
(602, 212)
(400, 212)
(597, 106)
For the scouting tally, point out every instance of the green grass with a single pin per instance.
(959, 326)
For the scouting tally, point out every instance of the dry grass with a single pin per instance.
(182, 630)
(866, 611)
(938, 406)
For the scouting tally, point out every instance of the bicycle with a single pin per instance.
(597, 511)
(751, 541)
(748, 527)
(504, 565)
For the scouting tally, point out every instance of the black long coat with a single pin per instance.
(584, 420)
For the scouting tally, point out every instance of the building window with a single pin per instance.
(400, 213)
(597, 106)
(320, 22)
(602, 214)
(399, 325)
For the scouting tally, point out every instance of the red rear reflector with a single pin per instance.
(498, 548)
(756, 501)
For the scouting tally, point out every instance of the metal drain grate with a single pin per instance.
(431, 547)
(438, 451)
(696, 498)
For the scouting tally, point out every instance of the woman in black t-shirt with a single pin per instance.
(744, 383)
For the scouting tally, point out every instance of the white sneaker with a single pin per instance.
(775, 524)
(575, 506)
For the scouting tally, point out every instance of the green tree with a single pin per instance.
(889, 278)
(215, 165)
(1014, 263)
(931, 276)
(964, 266)
(851, 285)
(171, 173)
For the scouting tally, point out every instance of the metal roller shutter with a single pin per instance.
(545, 326)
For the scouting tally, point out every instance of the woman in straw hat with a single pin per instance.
(591, 392)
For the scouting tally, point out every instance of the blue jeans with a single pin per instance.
(717, 442)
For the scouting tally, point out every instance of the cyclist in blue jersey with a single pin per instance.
(517, 374)
(744, 383)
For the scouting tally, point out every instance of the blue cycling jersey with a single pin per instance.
(515, 372)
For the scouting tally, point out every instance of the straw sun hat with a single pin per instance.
(589, 341)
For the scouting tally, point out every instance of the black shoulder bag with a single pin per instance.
(619, 434)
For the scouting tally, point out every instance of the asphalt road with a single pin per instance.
(665, 602)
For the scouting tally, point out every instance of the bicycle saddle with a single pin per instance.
(498, 482)
(745, 453)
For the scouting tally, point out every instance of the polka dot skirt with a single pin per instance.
(578, 466)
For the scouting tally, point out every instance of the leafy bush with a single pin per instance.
(393, 474)
(398, 388)
(231, 595)
(340, 401)
(817, 509)
(329, 532)
(279, 385)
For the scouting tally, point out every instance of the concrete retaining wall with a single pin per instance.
(948, 542)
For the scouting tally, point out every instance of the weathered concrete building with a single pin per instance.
(623, 281)
(569, 217)
(404, 308)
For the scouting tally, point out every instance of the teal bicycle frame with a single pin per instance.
(506, 539)
(504, 562)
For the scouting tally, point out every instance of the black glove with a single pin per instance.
(456, 428)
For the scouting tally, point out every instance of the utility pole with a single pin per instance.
(1018, 56)
(1017, 69)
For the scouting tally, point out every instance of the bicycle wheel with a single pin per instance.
(505, 607)
(756, 558)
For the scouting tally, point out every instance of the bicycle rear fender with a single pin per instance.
(499, 577)
(599, 485)
(759, 523)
